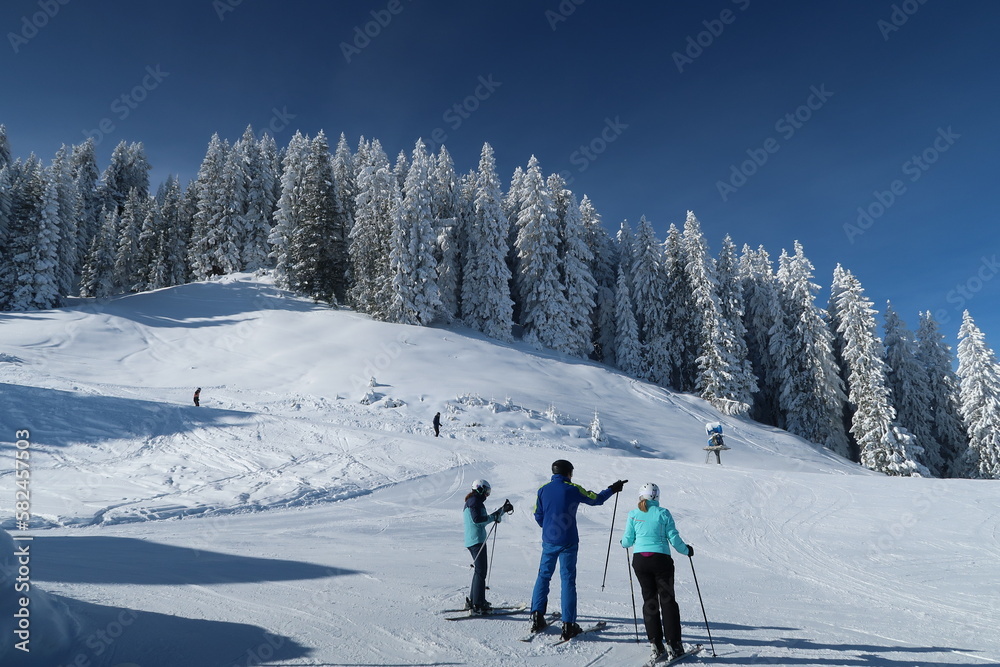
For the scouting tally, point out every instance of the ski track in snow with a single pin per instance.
(803, 558)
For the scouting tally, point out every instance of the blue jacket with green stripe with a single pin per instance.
(555, 509)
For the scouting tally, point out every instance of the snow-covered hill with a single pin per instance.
(305, 513)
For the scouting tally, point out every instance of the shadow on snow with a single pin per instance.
(126, 560)
(59, 418)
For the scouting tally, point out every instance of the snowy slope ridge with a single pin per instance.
(149, 521)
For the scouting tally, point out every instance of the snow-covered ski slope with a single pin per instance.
(284, 522)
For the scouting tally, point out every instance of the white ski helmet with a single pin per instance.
(649, 491)
(482, 487)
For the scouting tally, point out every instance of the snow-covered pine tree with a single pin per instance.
(186, 213)
(4, 147)
(26, 191)
(371, 238)
(742, 382)
(97, 279)
(344, 193)
(909, 388)
(812, 395)
(450, 232)
(603, 267)
(257, 159)
(725, 378)
(289, 211)
(152, 240)
(206, 238)
(628, 352)
(597, 431)
(317, 247)
(466, 214)
(86, 176)
(68, 204)
(979, 393)
(45, 247)
(512, 203)
(648, 286)
(946, 422)
(679, 307)
(416, 299)
(401, 169)
(541, 294)
(767, 342)
(512, 210)
(127, 171)
(231, 224)
(884, 445)
(575, 258)
(130, 273)
(4, 225)
(486, 303)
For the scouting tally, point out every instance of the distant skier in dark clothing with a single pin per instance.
(437, 425)
(197, 397)
(476, 519)
(555, 512)
(650, 528)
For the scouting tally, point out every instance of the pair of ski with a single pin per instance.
(552, 618)
(495, 611)
(665, 661)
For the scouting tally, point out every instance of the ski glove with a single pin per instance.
(496, 516)
(507, 507)
(618, 486)
(690, 550)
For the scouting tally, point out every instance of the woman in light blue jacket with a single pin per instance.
(651, 530)
(476, 519)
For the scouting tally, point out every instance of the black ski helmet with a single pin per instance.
(562, 467)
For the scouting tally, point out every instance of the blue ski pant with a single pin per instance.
(565, 555)
(477, 592)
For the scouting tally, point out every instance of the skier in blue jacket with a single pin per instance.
(651, 530)
(476, 519)
(555, 512)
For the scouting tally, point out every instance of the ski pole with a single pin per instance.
(635, 617)
(493, 551)
(484, 544)
(691, 560)
(610, 535)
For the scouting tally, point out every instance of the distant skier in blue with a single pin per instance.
(555, 512)
(650, 528)
(476, 519)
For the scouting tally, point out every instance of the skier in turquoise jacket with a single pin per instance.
(476, 519)
(651, 530)
(555, 512)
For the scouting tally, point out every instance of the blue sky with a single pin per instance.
(773, 121)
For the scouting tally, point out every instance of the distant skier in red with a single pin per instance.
(197, 397)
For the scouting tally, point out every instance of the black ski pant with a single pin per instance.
(660, 612)
(477, 593)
